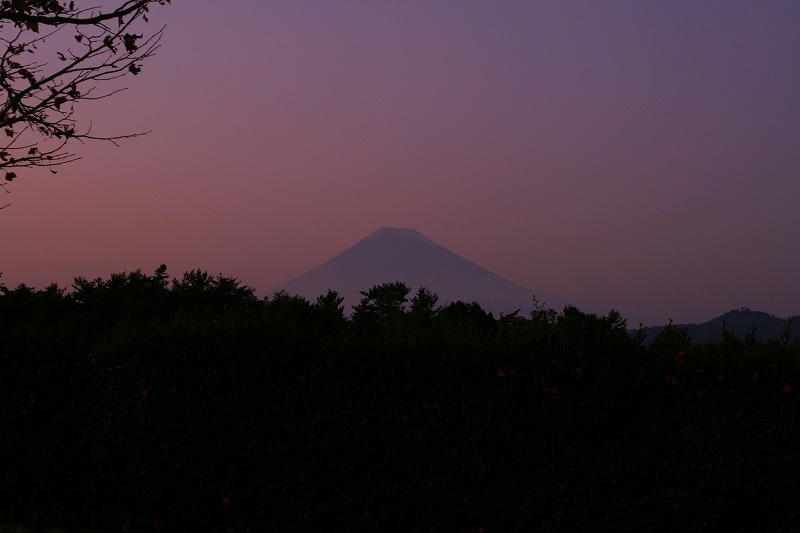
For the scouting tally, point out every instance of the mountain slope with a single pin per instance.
(404, 254)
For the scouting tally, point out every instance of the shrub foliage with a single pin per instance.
(191, 405)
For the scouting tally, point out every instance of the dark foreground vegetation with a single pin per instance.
(191, 405)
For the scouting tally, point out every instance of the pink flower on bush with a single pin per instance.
(787, 389)
(756, 379)
(226, 501)
(501, 373)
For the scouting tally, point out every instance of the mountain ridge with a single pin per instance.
(741, 322)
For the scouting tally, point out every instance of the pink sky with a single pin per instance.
(632, 155)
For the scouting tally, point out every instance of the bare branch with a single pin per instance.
(70, 16)
(3, 186)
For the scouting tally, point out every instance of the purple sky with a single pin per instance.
(636, 155)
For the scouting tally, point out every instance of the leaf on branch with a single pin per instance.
(33, 26)
(107, 41)
(33, 151)
(4, 155)
(10, 176)
(61, 56)
(59, 100)
(129, 40)
(9, 132)
(134, 69)
(79, 37)
(25, 73)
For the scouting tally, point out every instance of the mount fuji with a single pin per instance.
(404, 254)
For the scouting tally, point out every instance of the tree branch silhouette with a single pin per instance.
(54, 55)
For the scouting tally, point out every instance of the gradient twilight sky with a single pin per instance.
(636, 155)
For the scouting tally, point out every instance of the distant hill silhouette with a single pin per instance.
(404, 254)
(741, 322)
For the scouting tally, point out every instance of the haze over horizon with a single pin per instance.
(637, 156)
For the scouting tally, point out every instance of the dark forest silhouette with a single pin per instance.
(189, 404)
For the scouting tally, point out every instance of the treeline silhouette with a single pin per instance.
(189, 404)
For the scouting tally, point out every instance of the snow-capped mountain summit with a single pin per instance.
(404, 254)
